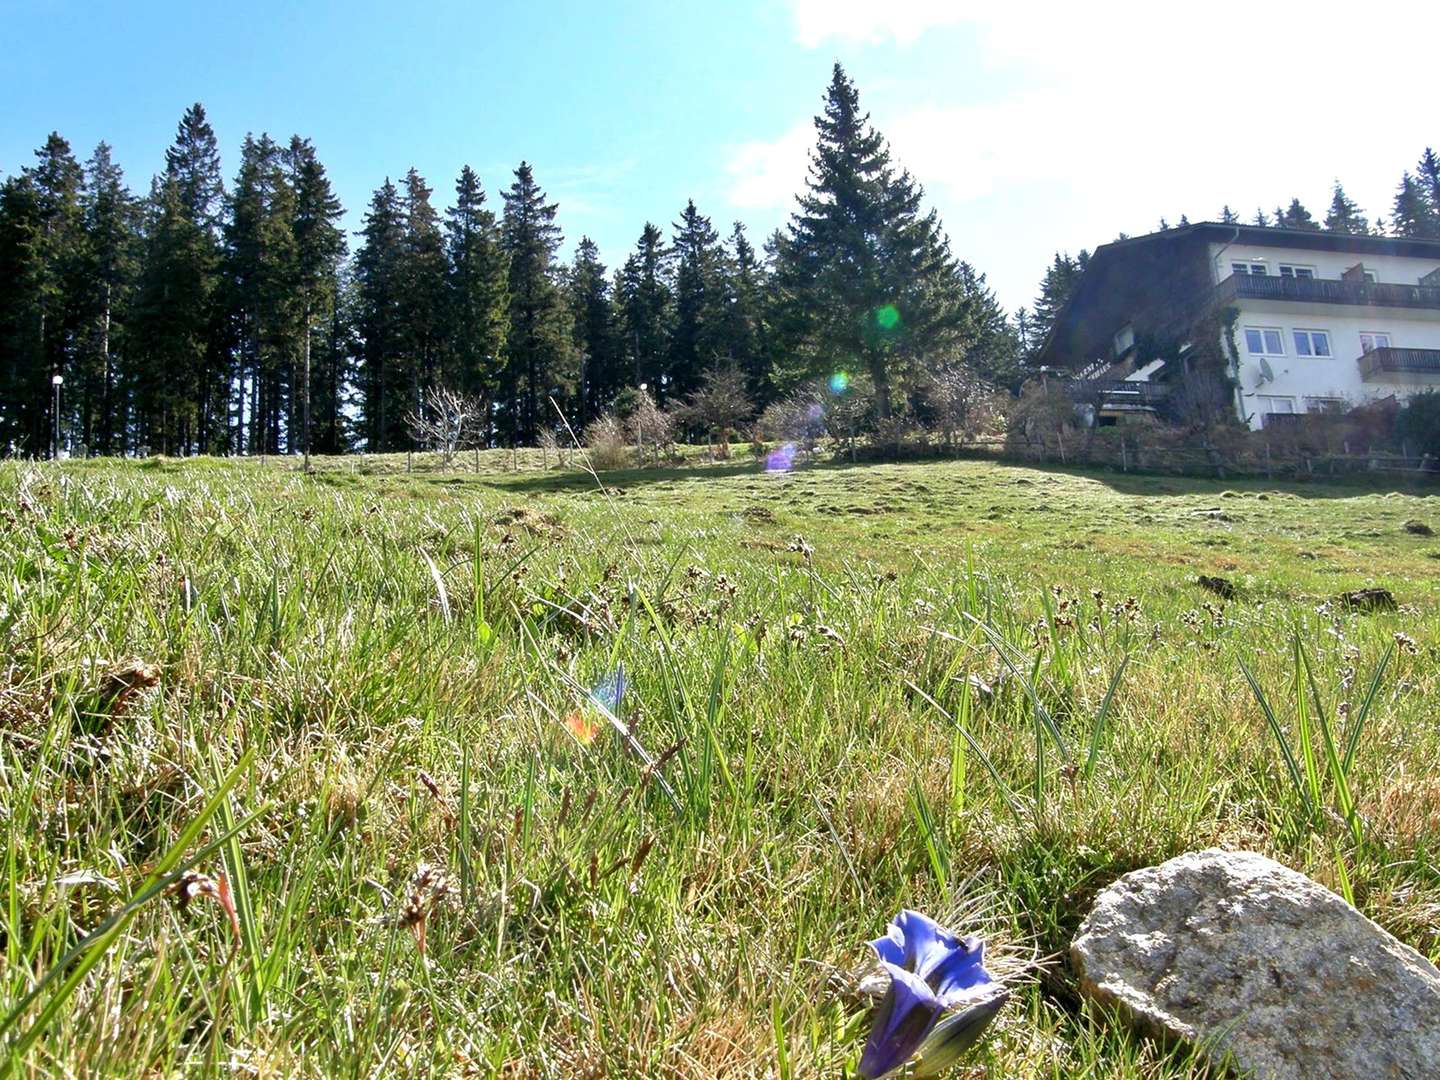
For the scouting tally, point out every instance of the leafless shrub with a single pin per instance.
(606, 443)
(719, 406)
(447, 421)
(963, 405)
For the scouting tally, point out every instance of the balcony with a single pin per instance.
(1379, 363)
(1327, 291)
(1117, 394)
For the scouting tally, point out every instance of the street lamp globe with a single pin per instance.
(57, 380)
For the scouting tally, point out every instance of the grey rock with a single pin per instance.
(1261, 966)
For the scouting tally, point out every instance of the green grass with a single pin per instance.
(907, 709)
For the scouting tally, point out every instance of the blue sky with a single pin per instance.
(1033, 126)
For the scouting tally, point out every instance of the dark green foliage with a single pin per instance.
(1056, 288)
(697, 340)
(1297, 217)
(742, 332)
(868, 273)
(647, 308)
(537, 347)
(478, 301)
(1412, 213)
(1228, 216)
(1417, 424)
(380, 320)
(594, 335)
(1344, 216)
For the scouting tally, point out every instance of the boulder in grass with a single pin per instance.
(1372, 599)
(1261, 968)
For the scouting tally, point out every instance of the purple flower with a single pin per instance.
(932, 973)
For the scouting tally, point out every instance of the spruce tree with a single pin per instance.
(379, 322)
(478, 303)
(1428, 173)
(868, 273)
(1297, 217)
(112, 251)
(320, 257)
(193, 163)
(1055, 291)
(1261, 220)
(1228, 216)
(699, 301)
(424, 271)
(1344, 216)
(594, 335)
(647, 305)
(1410, 214)
(537, 346)
(743, 319)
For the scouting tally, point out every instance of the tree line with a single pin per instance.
(207, 317)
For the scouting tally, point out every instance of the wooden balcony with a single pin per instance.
(1378, 363)
(1326, 291)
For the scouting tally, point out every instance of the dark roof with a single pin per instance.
(1311, 239)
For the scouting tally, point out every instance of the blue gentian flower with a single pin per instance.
(940, 1000)
(906, 1015)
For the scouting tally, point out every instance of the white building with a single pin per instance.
(1307, 320)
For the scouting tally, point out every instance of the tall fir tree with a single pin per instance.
(648, 311)
(594, 334)
(478, 304)
(41, 295)
(1056, 288)
(320, 257)
(537, 345)
(1410, 213)
(379, 322)
(1344, 216)
(1297, 217)
(695, 343)
(424, 287)
(1228, 216)
(866, 268)
(112, 251)
(743, 317)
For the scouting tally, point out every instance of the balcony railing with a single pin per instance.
(1117, 393)
(1390, 361)
(1327, 291)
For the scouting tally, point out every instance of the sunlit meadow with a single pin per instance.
(484, 772)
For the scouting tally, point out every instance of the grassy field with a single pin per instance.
(847, 690)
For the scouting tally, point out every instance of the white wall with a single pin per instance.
(1336, 376)
(1396, 269)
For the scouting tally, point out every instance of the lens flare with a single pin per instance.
(781, 459)
(887, 317)
(839, 382)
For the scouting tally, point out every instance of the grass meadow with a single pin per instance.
(377, 712)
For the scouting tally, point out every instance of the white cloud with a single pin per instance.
(1086, 120)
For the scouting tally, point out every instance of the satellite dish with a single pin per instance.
(1266, 373)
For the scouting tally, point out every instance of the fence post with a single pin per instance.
(1124, 457)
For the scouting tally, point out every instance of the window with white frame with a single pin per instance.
(1264, 341)
(1370, 340)
(1271, 405)
(1296, 271)
(1256, 268)
(1370, 276)
(1324, 404)
(1312, 343)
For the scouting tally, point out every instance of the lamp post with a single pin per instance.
(56, 381)
(640, 427)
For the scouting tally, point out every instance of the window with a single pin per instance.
(1262, 341)
(1256, 268)
(1270, 405)
(1330, 405)
(1290, 270)
(1370, 276)
(1312, 343)
(1124, 340)
(1370, 340)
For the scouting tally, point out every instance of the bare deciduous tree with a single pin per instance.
(447, 421)
(963, 404)
(719, 406)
